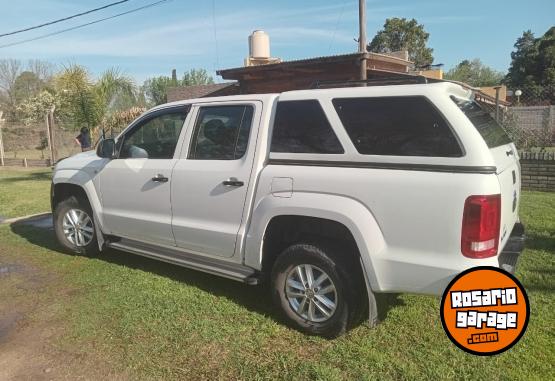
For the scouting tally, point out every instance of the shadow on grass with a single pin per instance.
(540, 242)
(256, 299)
(33, 176)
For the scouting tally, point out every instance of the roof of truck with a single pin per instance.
(370, 90)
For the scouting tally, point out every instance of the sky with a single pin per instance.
(212, 34)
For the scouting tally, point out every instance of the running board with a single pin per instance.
(192, 261)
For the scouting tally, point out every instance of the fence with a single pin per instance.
(530, 119)
(27, 145)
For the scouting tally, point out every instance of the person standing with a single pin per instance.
(84, 139)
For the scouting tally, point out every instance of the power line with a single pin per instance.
(337, 24)
(83, 25)
(63, 19)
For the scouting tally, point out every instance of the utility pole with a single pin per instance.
(362, 37)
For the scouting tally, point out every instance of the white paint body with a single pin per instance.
(406, 223)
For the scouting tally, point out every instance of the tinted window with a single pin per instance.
(491, 131)
(154, 138)
(400, 126)
(302, 127)
(221, 133)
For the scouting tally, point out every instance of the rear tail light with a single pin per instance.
(480, 227)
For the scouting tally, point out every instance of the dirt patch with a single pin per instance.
(8, 269)
(32, 327)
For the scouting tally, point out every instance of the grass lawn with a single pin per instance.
(24, 191)
(153, 320)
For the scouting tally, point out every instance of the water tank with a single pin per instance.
(259, 44)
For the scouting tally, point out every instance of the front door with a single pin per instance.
(210, 184)
(135, 187)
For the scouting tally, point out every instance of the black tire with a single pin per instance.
(345, 275)
(89, 250)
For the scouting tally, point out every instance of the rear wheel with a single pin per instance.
(74, 226)
(316, 291)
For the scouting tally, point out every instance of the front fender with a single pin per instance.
(86, 182)
(349, 212)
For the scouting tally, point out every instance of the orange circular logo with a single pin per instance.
(484, 310)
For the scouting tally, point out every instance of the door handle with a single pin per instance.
(233, 182)
(159, 178)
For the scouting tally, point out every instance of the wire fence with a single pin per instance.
(28, 144)
(33, 144)
(529, 118)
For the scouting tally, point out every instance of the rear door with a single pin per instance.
(506, 159)
(209, 186)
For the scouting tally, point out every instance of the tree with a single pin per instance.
(9, 71)
(155, 89)
(402, 34)
(78, 100)
(475, 73)
(196, 77)
(115, 92)
(523, 64)
(27, 85)
(533, 65)
(42, 69)
(35, 108)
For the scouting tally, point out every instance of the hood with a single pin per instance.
(81, 161)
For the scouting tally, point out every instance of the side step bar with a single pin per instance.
(208, 265)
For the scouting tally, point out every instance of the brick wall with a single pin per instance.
(538, 171)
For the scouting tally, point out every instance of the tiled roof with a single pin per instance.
(199, 91)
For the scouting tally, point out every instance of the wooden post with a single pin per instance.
(1, 141)
(362, 37)
(497, 88)
(53, 134)
(48, 137)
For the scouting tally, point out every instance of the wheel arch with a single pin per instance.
(342, 216)
(67, 183)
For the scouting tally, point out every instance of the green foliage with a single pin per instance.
(78, 96)
(533, 64)
(115, 92)
(156, 88)
(196, 77)
(35, 108)
(27, 85)
(402, 34)
(474, 73)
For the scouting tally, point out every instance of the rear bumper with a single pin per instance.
(508, 258)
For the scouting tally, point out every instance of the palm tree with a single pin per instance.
(79, 102)
(115, 91)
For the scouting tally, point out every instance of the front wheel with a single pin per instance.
(315, 290)
(74, 226)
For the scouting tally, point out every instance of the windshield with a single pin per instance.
(492, 133)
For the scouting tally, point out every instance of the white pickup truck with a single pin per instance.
(330, 195)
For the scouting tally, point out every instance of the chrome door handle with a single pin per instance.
(159, 178)
(233, 182)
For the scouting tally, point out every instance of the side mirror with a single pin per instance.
(106, 148)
